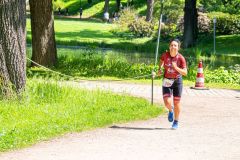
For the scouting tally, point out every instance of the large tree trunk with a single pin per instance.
(190, 23)
(43, 35)
(12, 46)
(149, 10)
(106, 6)
(118, 2)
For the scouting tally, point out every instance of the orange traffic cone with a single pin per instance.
(200, 78)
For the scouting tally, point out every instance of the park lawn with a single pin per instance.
(48, 109)
(97, 34)
(228, 44)
(93, 34)
(225, 45)
(96, 8)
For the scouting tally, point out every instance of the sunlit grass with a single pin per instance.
(47, 110)
(95, 34)
(225, 45)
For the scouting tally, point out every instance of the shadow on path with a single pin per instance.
(138, 128)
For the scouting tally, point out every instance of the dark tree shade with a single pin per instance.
(190, 23)
(118, 2)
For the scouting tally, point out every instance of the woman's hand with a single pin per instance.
(159, 73)
(174, 64)
(181, 71)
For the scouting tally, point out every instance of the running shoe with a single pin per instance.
(170, 116)
(175, 125)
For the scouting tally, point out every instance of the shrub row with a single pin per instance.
(113, 65)
(225, 23)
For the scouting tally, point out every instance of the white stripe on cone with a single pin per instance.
(200, 70)
(200, 80)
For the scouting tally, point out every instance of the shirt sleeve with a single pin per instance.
(163, 56)
(184, 64)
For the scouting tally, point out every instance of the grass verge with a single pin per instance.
(47, 110)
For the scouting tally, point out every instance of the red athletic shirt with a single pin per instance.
(169, 71)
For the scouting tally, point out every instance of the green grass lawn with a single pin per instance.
(95, 9)
(225, 45)
(48, 110)
(95, 34)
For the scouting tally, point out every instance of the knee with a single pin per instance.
(176, 99)
(176, 102)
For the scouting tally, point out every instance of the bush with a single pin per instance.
(229, 75)
(129, 22)
(141, 28)
(224, 75)
(226, 23)
(204, 23)
(169, 31)
(127, 16)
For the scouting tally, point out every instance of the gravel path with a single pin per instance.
(209, 130)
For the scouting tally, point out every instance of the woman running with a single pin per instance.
(174, 65)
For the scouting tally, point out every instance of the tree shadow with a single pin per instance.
(77, 18)
(102, 40)
(139, 128)
(86, 33)
(140, 3)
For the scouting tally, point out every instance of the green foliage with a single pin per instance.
(93, 63)
(226, 23)
(129, 22)
(226, 6)
(141, 28)
(98, 64)
(48, 109)
(127, 16)
(229, 75)
(172, 10)
(169, 31)
(204, 23)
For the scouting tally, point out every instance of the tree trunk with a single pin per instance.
(12, 46)
(149, 10)
(106, 6)
(89, 1)
(190, 23)
(43, 36)
(118, 2)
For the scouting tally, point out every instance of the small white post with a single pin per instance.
(214, 34)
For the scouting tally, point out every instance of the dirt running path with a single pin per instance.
(209, 130)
